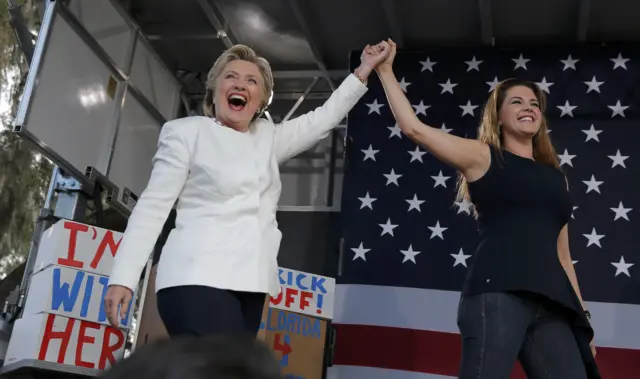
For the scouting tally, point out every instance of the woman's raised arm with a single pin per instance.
(470, 157)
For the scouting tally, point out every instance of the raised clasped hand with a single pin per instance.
(389, 47)
(374, 55)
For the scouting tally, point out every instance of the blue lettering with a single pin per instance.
(294, 323)
(284, 361)
(299, 282)
(66, 294)
(269, 323)
(61, 293)
(102, 314)
(87, 296)
(318, 284)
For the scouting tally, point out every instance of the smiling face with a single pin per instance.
(238, 94)
(519, 113)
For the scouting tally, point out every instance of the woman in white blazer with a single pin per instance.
(220, 261)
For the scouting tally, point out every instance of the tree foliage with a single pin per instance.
(24, 174)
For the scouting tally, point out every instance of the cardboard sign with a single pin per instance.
(64, 340)
(298, 342)
(73, 293)
(80, 246)
(305, 293)
(64, 319)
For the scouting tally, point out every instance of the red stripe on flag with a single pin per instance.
(439, 353)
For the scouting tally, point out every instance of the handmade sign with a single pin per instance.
(305, 293)
(64, 319)
(298, 342)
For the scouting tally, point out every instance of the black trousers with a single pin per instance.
(498, 328)
(203, 311)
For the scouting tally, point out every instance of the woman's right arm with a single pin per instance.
(470, 157)
(169, 174)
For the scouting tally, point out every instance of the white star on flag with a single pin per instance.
(464, 206)
(421, 108)
(414, 203)
(392, 177)
(544, 85)
(620, 62)
(594, 238)
(618, 109)
(395, 131)
(416, 155)
(592, 134)
(404, 85)
(441, 180)
(409, 255)
(520, 63)
(493, 84)
(621, 212)
(569, 63)
(427, 65)
(460, 258)
(447, 87)
(592, 184)
(622, 267)
(436, 231)
(473, 64)
(367, 201)
(370, 153)
(360, 252)
(593, 85)
(468, 108)
(567, 109)
(374, 107)
(618, 160)
(565, 158)
(388, 228)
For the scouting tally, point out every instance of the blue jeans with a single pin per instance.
(498, 328)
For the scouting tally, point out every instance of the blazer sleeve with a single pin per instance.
(297, 135)
(169, 174)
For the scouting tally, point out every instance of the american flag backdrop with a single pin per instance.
(408, 246)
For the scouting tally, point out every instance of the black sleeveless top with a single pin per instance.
(522, 206)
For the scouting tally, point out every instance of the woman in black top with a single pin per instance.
(521, 299)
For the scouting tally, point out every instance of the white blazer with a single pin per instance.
(227, 184)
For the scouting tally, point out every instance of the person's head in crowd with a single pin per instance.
(199, 358)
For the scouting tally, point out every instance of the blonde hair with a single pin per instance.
(244, 53)
(489, 131)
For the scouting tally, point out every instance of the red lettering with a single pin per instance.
(276, 300)
(82, 339)
(73, 228)
(106, 353)
(290, 296)
(304, 299)
(107, 241)
(49, 335)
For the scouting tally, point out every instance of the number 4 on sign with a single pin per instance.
(284, 347)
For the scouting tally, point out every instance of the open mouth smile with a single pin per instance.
(237, 102)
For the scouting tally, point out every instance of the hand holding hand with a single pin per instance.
(117, 296)
(371, 57)
(387, 63)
